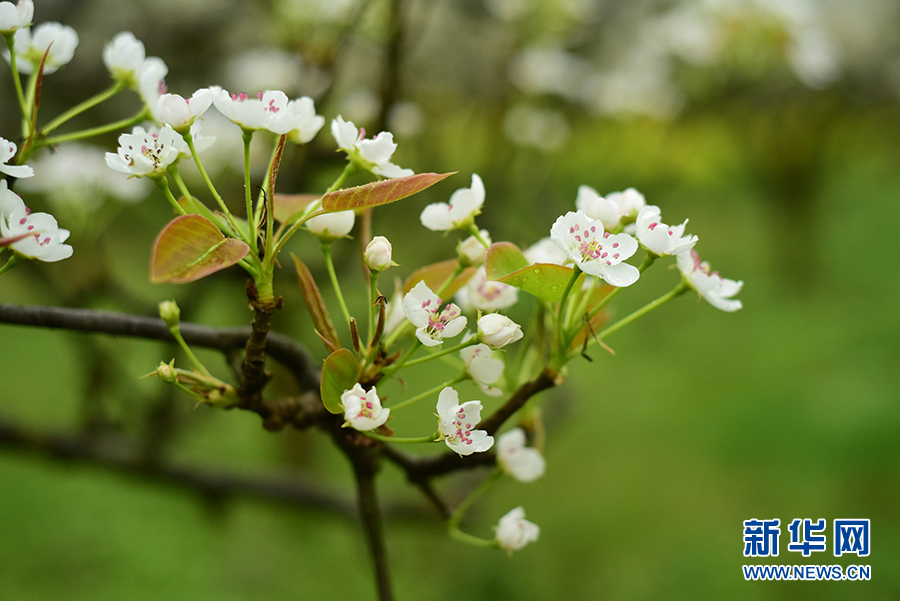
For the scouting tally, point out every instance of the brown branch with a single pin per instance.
(546, 379)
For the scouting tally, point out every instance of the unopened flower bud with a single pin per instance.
(170, 313)
(166, 372)
(497, 330)
(378, 254)
(332, 225)
(471, 251)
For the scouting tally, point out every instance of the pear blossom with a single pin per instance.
(304, 121)
(8, 151)
(525, 464)
(179, 113)
(718, 291)
(374, 154)
(30, 47)
(471, 251)
(457, 423)
(486, 295)
(514, 531)
(545, 251)
(16, 219)
(142, 153)
(15, 16)
(423, 309)
(363, 410)
(151, 83)
(483, 367)
(329, 226)
(659, 238)
(497, 330)
(596, 252)
(270, 110)
(124, 56)
(460, 212)
(611, 209)
(378, 254)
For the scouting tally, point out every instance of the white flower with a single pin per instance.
(460, 212)
(497, 330)
(174, 110)
(609, 210)
(525, 464)
(545, 251)
(514, 531)
(710, 285)
(363, 410)
(486, 295)
(46, 240)
(457, 423)
(595, 252)
(143, 153)
(31, 46)
(15, 16)
(332, 225)
(373, 155)
(378, 254)
(123, 56)
(303, 121)
(471, 250)
(659, 238)
(151, 81)
(483, 367)
(8, 151)
(423, 309)
(270, 110)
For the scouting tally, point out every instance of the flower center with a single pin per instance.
(462, 428)
(591, 248)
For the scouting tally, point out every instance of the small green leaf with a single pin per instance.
(339, 373)
(505, 263)
(191, 247)
(317, 309)
(436, 274)
(380, 192)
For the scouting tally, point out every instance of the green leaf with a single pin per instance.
(316, 305)
(436, 274)
(191, 247)
(506, 263)
(380, 192)
(339, 373)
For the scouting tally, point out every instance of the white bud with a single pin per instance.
(378, 254)
(472, 250)
(332, 225)
(497, 330)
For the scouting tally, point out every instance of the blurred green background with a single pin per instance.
(772, 126)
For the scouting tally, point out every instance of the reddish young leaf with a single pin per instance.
(436, 274)
(288, 206)
(339, 373)
(316, 306)
(380, 192)
(502, 259)
(191, 247)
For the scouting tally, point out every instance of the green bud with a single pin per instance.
(170, 313)
(166, 372)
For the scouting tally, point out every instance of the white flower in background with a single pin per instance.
(471, 250)
(486, 295)
(596, 252)
(332, 225)
(525, 464)
(423, 309)
(124, 55)
(142, 153)
(659, 238)
(31, 45)
(483, 367)
(76, 175)
(8, 151)
(541, 128)
(180, 113)
(394, 315)
(514, 531)
(497, 330)
(15, 16)
(151, 81)
(457, 424)
(710, 285)
(373, 155)
(460, 212)
(363, 410)
(611, 209)
(545, 251)
(270, 110)
(378, 254)
(44, 241)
